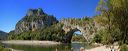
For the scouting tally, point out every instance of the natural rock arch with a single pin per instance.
(87, 31)
(69, 35)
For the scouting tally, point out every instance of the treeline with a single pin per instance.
(79, 21)
(53, 33)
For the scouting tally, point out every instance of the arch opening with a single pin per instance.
(74, 35)
(77, 37)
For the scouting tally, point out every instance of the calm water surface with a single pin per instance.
(62, 47)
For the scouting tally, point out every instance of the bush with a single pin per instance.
(106, 36)
(97, 38)
(124, 47)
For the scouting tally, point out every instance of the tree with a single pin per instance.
(116, 11)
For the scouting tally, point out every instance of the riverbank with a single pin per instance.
(2, 48)
(31, 42)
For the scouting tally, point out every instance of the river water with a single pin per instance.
(62, 47)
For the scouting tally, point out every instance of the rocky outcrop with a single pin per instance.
(87, 30)
(35, 19)
(3, 35)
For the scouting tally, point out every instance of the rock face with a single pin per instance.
(87, 30)
(35, 19)
(3, 35)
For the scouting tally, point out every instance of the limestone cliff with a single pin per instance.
(85, 25)
(35, 19)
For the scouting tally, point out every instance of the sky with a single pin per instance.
(11, 11)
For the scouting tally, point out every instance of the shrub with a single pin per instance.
(124, 47)
(97, 38)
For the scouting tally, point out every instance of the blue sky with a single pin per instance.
(11, 11)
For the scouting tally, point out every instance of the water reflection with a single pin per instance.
(62, 47)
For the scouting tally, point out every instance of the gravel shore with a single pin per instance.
(31, 42)
(103, 48)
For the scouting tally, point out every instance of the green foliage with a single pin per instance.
(124, 47)
(79, 21)
(115, 14)
(97, 38)
(78, 38)
(53, 32)
(103, 36)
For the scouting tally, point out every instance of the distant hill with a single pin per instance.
(3, 35)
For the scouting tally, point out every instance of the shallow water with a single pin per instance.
(62, 47)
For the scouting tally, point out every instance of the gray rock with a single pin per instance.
(3, 35)
(34, 20)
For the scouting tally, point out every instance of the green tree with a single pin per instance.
(116, 12)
